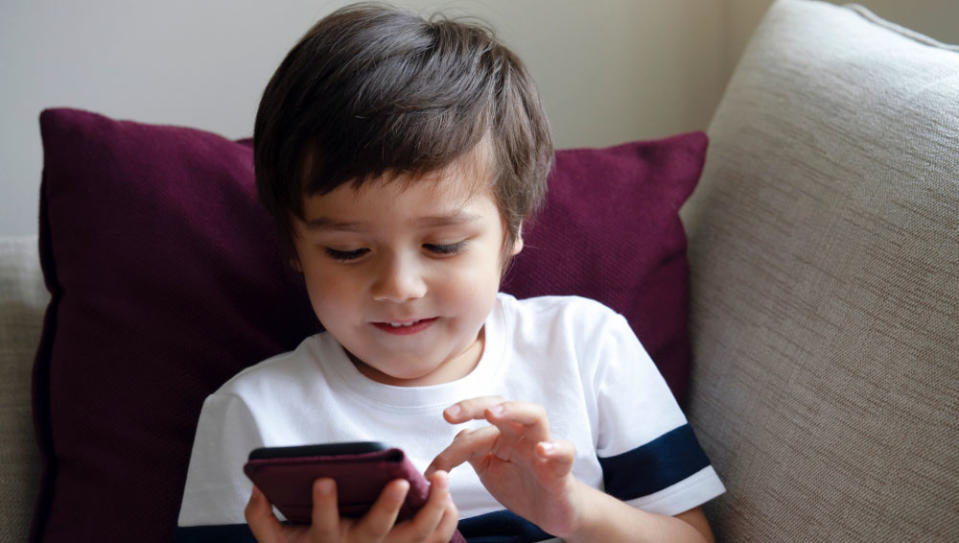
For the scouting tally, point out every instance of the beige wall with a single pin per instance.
(614, 70)
(938, 19)
(609, 70)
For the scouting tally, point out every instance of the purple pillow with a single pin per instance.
(166, 279)
(610, 231)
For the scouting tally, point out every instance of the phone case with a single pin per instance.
(288, 482)
(321, 449)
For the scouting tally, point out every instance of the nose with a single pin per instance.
(398, 280)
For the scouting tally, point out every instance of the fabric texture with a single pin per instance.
(166, 279)
(611, 231)
(22, 300)
(573, 356)
(824, 254)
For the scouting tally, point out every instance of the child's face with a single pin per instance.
(404, 274)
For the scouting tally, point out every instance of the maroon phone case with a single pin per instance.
(288, 482)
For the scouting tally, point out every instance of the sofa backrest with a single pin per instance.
(23, 299)
(824, 254)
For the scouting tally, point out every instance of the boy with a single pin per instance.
(399, 158)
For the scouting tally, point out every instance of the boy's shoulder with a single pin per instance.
(287, 367)
(557, 305)
(574, 316)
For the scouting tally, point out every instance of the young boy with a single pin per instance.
(399, 158)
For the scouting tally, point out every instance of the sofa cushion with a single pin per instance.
(167, 279)
(824, 249)
(22, 300)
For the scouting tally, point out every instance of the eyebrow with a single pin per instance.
(453, 219)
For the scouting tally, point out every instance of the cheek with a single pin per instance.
(330, 291)
(474, 284)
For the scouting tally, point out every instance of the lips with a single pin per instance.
(403, 328)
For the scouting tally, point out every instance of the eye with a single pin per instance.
(345, 256)
(444, 249)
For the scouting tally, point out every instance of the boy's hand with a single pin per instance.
(435, 522)
(516, 460)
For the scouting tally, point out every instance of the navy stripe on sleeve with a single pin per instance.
(232, 533)
(659, 464)
(500, 527)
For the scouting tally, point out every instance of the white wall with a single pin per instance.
(609, 70)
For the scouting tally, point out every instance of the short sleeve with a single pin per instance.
(648, 452)
(216, 489)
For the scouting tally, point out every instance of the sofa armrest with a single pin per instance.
(824, 255)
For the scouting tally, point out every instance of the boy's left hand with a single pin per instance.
(516, 460)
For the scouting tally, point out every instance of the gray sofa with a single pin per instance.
(824, 251)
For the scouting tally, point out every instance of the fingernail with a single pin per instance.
(324, 486)
(454, 410)
(498, 410)
(547, 447)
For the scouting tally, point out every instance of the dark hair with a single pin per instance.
(372, 90)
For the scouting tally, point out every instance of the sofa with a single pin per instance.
(823, 250)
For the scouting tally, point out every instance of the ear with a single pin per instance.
(518, 242)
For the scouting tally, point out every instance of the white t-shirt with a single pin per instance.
(574, 356)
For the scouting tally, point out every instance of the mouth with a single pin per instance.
(406, 327)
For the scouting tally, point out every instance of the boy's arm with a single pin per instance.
(606, 518)
(530, 473)
(216, 488)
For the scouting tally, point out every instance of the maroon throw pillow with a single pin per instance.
(166, 279)
(610, 231)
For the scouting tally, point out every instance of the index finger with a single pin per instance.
(514, 419)
(467, 446)
(471, 409)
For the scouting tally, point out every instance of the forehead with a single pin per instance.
(466, 182)
(457, 194)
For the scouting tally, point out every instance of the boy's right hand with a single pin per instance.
(434, 522)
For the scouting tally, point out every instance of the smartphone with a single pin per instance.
(361, 469)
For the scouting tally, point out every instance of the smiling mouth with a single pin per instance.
(405, 328)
